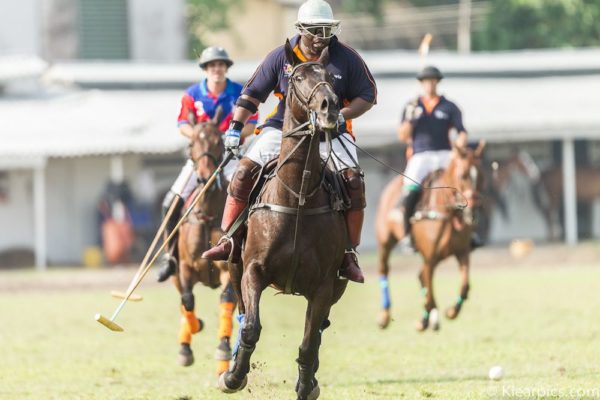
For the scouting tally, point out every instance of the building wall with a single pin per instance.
(16, 211)
(157, 30)
(20, 27)
(256, 27)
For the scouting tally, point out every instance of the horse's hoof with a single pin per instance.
(384, 319)
(226, 389)
(434, 319)
(314, 394)
(451, 312)
(223, 352)
(186, 356)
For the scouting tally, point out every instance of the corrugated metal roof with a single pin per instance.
(497, 109)
(114, 122)
(20, 66)
(90, 122)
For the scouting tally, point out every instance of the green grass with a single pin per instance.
(541, 325)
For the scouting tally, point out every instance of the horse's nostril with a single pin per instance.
(324, 105)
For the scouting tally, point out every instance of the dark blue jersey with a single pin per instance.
(351, 78)
(431, 128)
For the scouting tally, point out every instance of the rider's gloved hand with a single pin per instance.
(233, 135)
(341, 123)
(413, 112)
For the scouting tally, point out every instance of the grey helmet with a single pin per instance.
(430, 72)
(214, 53)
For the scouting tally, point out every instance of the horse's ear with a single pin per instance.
(290, 56)
(324, 58)
(479, 149)
(218, 116)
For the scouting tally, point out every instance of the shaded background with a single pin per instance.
(90, 91)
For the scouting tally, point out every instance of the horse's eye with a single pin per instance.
(298, 78)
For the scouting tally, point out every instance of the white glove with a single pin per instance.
(232, 136)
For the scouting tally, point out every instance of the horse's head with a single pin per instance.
(206, 146)
(465, 172)
(311, 90)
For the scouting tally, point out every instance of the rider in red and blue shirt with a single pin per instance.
(201, 100)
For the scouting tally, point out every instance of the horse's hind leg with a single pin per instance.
(384, 252)
(226, 307)
(430, 314)
(252, 288)
(463, 265)
(317, 311)
(190, 324)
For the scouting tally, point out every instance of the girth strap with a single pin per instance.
(290, 210)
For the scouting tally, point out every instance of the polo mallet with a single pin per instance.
(424, 48)
(110, 323)
(163, 225)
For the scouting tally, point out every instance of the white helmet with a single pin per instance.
(317, 14)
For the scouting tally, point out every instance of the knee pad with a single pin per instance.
(355, 187)
(187, 300)
(243, 179)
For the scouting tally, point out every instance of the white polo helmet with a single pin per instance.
(317, 14)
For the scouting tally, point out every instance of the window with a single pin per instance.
(103, 29)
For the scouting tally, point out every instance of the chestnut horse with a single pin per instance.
(295, 240)
(202, 227)
(441, 227)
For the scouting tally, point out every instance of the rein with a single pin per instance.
(304, 130)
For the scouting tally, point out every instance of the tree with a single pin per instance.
(528, 24)
(204, 16)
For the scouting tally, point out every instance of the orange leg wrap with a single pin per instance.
(225, 319)
(189, 326)
(222, 366)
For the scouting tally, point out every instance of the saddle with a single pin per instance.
(333, 183)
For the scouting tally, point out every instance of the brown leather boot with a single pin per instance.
(239, 191)
(350, 269)
(222, 251)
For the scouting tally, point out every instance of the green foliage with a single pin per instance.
(204, 16)
(522, 24)
(373, 7)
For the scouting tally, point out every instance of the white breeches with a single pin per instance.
(422, 164)
(267, 146)
(187, 180)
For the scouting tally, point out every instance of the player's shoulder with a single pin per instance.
(347, 51)
(194, 90)
(449, 103)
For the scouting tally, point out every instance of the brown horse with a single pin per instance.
(295, 240)
(200, 229)
(441, 227)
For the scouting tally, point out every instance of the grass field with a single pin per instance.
(540, 324)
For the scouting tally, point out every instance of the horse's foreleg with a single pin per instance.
(430, 314)
(317, 311)
(252, 288)
(384, 252)
(463, 265)
(226, 307)
(190, 324)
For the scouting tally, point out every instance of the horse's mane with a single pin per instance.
(429, 188)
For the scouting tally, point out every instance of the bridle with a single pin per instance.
(297, 94)
(215, 159)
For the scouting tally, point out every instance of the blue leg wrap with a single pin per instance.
(385, 293)
(241, 318)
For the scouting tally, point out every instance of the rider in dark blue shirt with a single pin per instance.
(427, 122)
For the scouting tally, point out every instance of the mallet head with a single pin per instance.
(108, 323)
